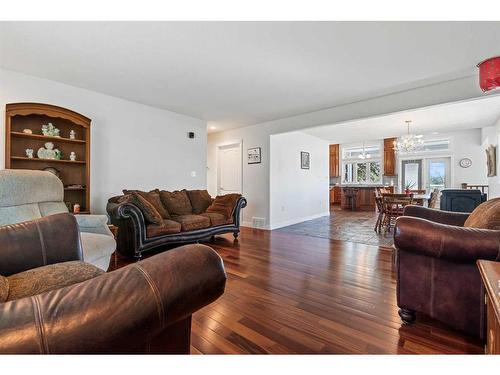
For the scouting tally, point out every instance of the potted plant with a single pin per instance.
(408, 187)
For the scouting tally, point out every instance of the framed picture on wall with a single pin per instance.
(491, 160)
(305, 160)
(254, 155)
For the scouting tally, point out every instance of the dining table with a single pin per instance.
(421, 199)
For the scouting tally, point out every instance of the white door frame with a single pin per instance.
(230, 145)
(425, 161)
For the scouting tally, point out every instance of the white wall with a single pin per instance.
(256, 180)
(298, 194)
(132, 145)
(491, 136)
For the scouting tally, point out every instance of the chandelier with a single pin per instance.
(364, 155)
(410, 142)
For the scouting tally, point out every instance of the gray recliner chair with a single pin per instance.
(26, 195)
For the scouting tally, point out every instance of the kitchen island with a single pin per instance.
(365, 197)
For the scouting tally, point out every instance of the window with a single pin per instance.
(436, 145)
(372, 152)
(364, 172)
(362, 165)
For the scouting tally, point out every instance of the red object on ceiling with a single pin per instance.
(489, 73)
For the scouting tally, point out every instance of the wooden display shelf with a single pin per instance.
(20, 116)
(47, 138)
(48, 160)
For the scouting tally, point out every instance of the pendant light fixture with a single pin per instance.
(364, 155)
(489, 73)
(408, 143)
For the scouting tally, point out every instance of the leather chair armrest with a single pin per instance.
(443, 241)
(240, 204)
(437, 216)
(118, 312)
(36, 243)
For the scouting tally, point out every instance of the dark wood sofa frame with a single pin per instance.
(132, 240)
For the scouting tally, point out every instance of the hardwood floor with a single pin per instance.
(290, 293)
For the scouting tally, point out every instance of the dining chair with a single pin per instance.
(392, 207)
(433, 200)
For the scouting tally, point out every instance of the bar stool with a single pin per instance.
(351, 194)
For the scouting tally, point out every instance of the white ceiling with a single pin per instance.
(240, 73)
(441, 118)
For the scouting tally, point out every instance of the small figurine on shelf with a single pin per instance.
(50, 130)
(72, 156)
(72, 134)
(29, 153)
(58, 154)
(76, 208)
(48, 152)
(27, 131)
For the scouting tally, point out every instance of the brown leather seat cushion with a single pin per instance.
(485, 216)
(217, 219)
(176, 202)
(54, 276)
(167, 227)
(152, 197)
(192, 222)
(224, 204)
(200, 200)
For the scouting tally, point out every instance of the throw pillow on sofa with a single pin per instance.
(200, 200)
(152, 197)
(176, 202)
(4, 288)
(224, 204)
(148, 210)
(485, 216)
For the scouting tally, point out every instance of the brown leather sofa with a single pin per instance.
(150, 220)
(63, 305)
(436, 253)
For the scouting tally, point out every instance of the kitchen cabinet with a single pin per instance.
(389, 157)
(334, 161)
(335, 195)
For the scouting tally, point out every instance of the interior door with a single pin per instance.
(229, 169)
(438, 174)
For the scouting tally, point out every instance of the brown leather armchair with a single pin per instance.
(144, 307)
(436, 253)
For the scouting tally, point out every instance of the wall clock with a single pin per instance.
(465, 162)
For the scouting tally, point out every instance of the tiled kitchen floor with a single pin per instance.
(344, 225)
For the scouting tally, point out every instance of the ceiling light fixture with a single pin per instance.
(489, 73)
(364, 155)
(410, 142)
(213, 127)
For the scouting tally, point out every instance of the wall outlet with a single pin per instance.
(282, 208)
(193, 173)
